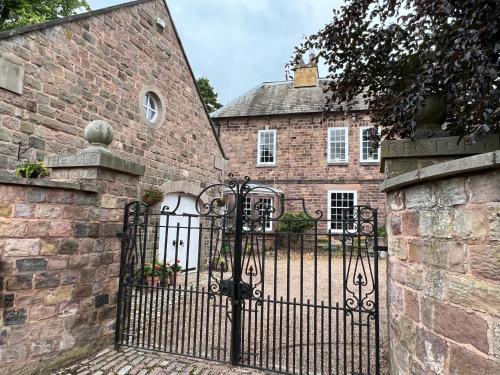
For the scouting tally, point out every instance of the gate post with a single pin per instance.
(119, 300)
(236, 311)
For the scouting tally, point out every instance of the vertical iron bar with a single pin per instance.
(201, 318)
(307, 337)
(155, 239)
(189, 333)
(142, 249)
(121, 294)
(315, 325)
(330, 303)
(287, 297)
(188, 245)
(164, 280)
(178, 319)
(268, 313)
(236, 313)
(322, 343)
(294, 331)
(377, 316)
(174, 287)
(281, 332)
(337, 359)
(275, 301)
(153, 290)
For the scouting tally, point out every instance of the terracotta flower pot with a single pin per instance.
(174, 277)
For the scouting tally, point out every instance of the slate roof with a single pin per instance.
(277, 98)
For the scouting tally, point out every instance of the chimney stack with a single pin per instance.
(306, 75)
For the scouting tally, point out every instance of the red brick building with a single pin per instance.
(276, 134)
(59, 253)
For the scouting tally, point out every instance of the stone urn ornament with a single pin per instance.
(99, 134)
(430, 118)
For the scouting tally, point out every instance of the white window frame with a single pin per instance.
(329, 205)
(247, 211)
(269, 224)
(366, 161)
(346, 146)
(273, 131)
(149, 101)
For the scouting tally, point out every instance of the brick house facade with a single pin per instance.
(59, 253)
(278, 135)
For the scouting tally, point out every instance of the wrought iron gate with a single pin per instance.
(268, 290)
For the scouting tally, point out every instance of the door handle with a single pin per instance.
(181, 243)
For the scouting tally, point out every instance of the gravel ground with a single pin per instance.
(279, 333)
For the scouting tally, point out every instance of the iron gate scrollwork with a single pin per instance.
(251, 289)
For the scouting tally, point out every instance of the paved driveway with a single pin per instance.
(137, 362)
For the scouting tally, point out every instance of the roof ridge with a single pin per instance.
(59, 21)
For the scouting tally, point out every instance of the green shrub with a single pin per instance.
(32, 169)
(295, 222)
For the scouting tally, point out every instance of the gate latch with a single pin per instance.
(226, 289)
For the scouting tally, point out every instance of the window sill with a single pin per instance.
(265, 165)
(338, 163)
(369, 163)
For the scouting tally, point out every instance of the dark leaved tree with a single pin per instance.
(17, 13)
(396, 53)
(209, 94)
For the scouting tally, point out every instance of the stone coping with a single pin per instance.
(440, 146)
(95, 158)
(446, 169)
(41, 182)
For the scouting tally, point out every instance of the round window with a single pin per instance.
(151, 107)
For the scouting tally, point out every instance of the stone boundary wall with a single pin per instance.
(59, 268)
(444, 268)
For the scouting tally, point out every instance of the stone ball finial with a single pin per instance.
(99, 134)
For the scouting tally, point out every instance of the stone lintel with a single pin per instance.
(443, 146)
(442, 170)
(95, 158)
(40, 182)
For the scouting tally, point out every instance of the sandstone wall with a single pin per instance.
(444, 273)
(98, 68)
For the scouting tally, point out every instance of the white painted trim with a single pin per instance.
(329, 205)
(274, 145)
(270, 229)
(366, 161)
(328, 153)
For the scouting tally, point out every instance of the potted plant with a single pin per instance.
(153, 273)
(32, 169)
(174, 272)
(152, 195)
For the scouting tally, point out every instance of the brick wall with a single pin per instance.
(302, 169)
(444, 284)
(96, 68)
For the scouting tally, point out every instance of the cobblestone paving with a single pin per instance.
(131, 361)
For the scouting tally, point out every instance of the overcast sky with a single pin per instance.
(238, 44)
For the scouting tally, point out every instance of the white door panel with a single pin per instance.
(181, 238)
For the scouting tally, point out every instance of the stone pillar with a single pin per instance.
(444, 267)
(60, 257)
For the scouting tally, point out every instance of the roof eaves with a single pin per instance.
(59, 21)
